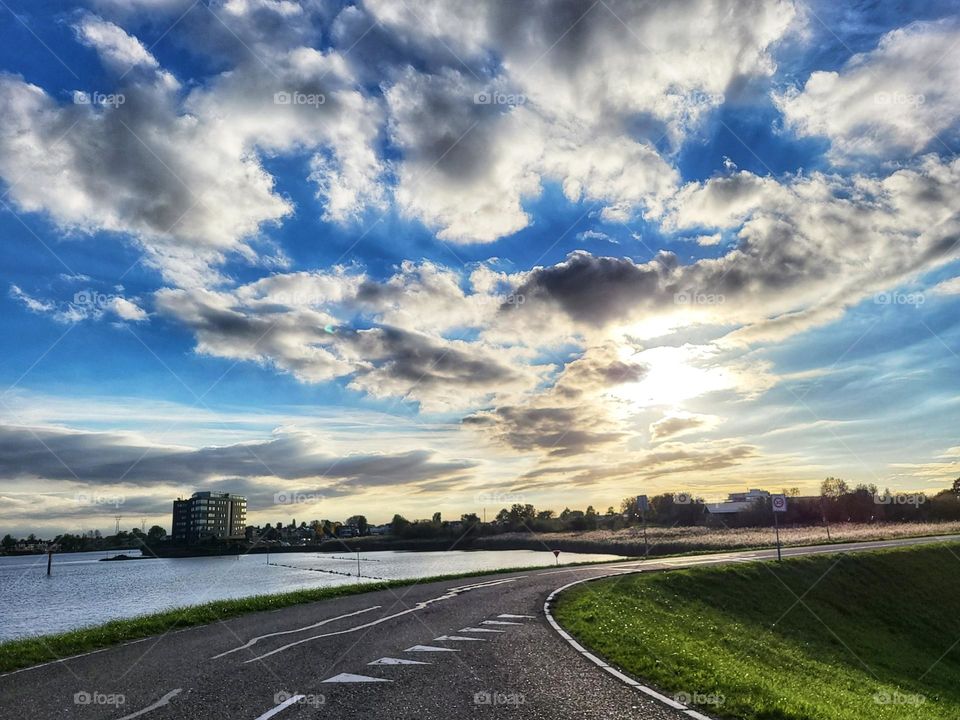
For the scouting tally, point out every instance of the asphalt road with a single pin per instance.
(481, 648)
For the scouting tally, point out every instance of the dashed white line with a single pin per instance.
(397, 661)
(429, 648)
(351, 678)
(480, 630)
(499, 622)
(457, 638)
(281, 707)
(451, 593)
(158, 704)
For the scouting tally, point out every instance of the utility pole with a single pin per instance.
(118, 518)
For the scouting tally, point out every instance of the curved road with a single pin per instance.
(461, 648)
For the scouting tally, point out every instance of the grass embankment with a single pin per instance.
(865, 636)
(16, 654)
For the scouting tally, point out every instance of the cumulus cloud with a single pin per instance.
(807, 248)
(339, 324)
(890, 102)
(567, 104)
(167, 169)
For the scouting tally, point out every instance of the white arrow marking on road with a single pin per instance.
(397, 661)
(473, 629)
(282, 706)
(449, 594)
(460, 637)
(429, 648)
(499, 622)
(507, 615)
(350, 678)
(159, 703)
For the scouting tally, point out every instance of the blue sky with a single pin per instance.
(419, 256)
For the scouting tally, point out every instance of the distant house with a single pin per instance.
(380, 529)
(737, 503)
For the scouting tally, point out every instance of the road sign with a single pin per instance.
(556, 553)
(779, 503)
(643, 504)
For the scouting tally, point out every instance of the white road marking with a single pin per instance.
(499, 622)
(450, 594)
(397, 661)
(604, 666)
(257, 639)
(459, 637)
(159, 703)
(351, 678)
(281, 707)
(473, 629)
(508, 615)
(429, 648)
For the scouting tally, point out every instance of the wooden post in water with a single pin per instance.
(49, 561)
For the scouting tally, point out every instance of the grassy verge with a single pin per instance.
(25, 652)
(868, 636)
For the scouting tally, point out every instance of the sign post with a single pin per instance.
(643, 504)
(779, 503)
(556, 555)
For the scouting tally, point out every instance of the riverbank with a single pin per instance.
(628, 541)
(857, 637)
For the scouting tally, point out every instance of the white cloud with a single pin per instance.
(117, 49)
(890, 102)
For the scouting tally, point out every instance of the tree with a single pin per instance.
(437, 519)
(399, 524)
(956, 487)
(545, 515)
(8, 541)
(156, 533)
(359, 521)
(834, 488)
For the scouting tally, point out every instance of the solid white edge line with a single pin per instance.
(627, 680)
(281, 707)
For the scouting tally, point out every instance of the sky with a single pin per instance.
(408, 256)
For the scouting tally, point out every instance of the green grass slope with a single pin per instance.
(865, 636)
